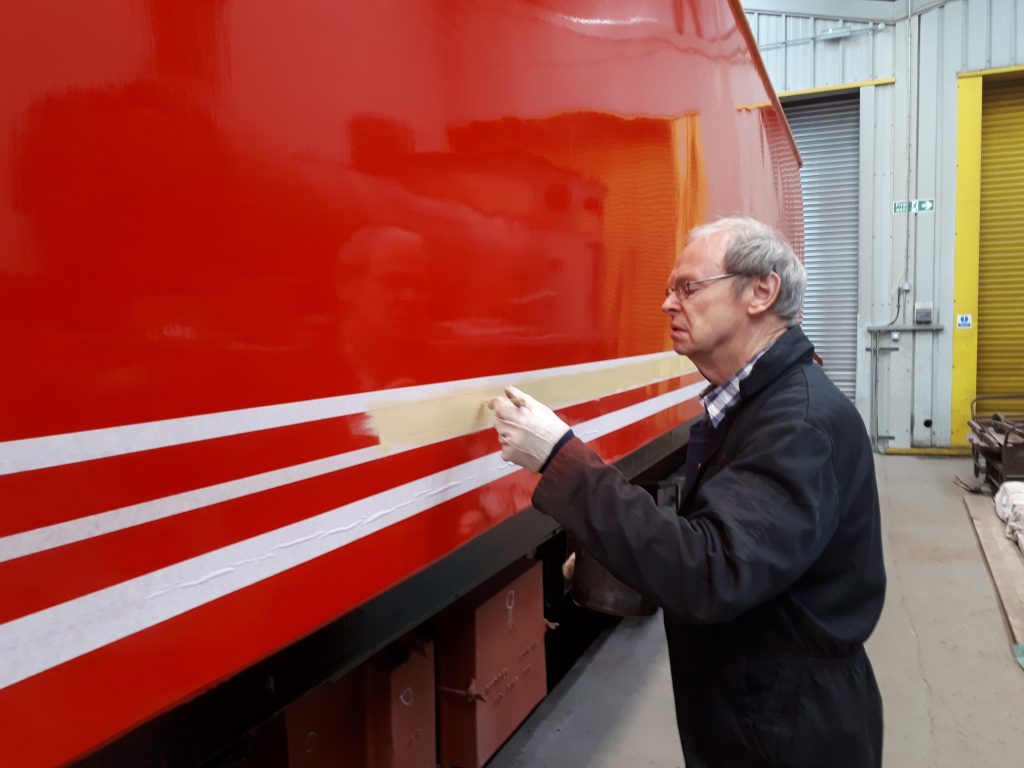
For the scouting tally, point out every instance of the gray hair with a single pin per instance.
(756, 250)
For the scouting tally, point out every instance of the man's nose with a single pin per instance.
(670, 305)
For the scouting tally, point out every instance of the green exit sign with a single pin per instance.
(921, 205)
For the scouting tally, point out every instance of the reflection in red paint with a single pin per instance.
(215, 205)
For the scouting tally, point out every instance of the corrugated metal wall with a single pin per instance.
(827, 134)
(1001, 285)
(908, 151)
(799, 52)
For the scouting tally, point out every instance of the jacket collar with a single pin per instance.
(790, 348)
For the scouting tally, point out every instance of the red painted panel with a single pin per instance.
(215, 205)
(68, 491)
(47, 578)
(223, 637)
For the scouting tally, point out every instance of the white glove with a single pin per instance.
(527, 432)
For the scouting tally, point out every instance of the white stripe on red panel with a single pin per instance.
(34, 643)
(57, 535)
(56, 450)
(60, 534)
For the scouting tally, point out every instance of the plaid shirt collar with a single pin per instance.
(718, 400)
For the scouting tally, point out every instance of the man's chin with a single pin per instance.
(682, 348)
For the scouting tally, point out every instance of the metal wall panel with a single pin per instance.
(883, 51)
(857, 55)
(772, 28)
(908, 151)
(925, 238)
(828, 55)
(827, 134)
(876, 268)
(941, 260)
(991, 34)
(977, 28)
(1018, 38)
(799, 53)
(1003, 37)
(800, 57)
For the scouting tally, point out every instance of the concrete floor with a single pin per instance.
(953, 693)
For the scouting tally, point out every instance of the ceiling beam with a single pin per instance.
(849, 10)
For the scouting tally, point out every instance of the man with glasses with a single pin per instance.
(770, 570)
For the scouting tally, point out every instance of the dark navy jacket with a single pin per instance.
(770, 572)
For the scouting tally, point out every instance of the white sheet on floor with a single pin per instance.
(1010, 508)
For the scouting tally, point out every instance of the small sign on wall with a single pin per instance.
(922, 205)
(964, 321)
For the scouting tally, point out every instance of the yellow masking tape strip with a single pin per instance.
(432, 419)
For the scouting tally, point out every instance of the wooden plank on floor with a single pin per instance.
(1005, 564)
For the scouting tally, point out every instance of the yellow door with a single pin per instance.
(1001, 269)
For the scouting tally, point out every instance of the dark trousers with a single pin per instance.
(779, 711)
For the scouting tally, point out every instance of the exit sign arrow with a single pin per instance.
(921, 205)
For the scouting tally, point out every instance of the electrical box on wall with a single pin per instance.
(922, 312)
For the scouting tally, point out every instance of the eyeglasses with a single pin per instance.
(684, 288)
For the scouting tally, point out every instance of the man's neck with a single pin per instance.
(726, 361)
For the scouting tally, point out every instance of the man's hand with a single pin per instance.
(527, 431)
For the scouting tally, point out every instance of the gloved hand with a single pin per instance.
(528, 432)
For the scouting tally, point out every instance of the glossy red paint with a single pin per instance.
(216, 205)
(32, 583)
(69, 491)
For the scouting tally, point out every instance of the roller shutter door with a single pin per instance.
(827, 134)
(1001, 268)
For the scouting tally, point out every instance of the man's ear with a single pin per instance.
(765, 290)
